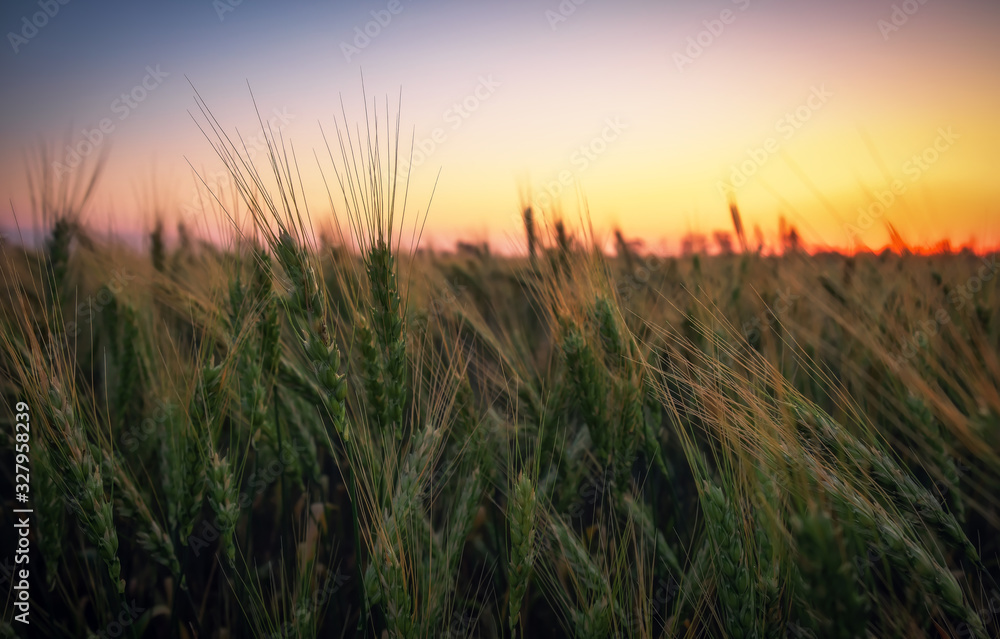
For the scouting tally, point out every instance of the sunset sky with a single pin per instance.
(649, 111)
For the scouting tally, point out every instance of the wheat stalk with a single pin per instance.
(521, 518)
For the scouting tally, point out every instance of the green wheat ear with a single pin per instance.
(84, 472)
(221, 485)
(733, 583)
(894, 479)
(389, 343)
(521, 517)
(270, 324)
(589, 387)
(877, 528)
(151, 537)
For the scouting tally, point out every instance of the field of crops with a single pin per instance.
(280, 436)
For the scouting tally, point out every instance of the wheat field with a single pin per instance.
(294, 435)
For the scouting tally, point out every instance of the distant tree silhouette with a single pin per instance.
(693, 243)
(790, 242)
(724, 241)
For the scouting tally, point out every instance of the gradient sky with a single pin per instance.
(667, 111)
